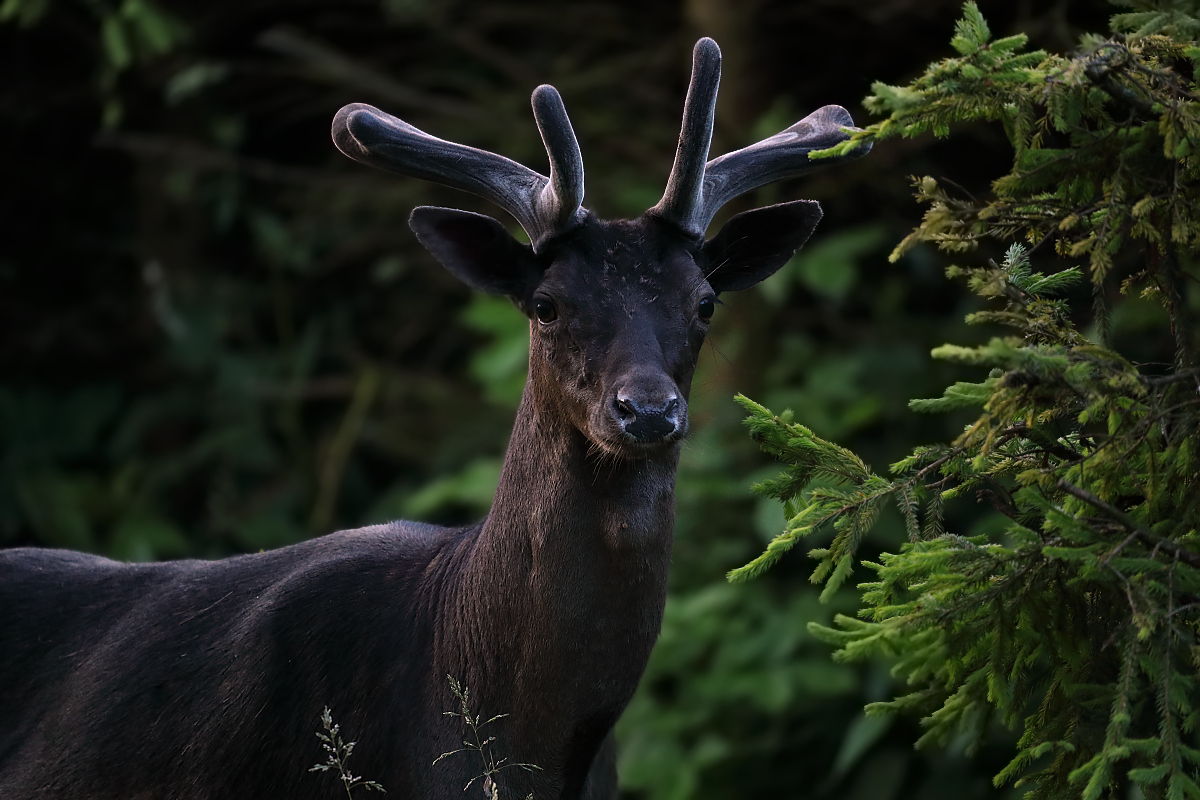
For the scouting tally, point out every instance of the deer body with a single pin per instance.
(369, 622)
(199, 679)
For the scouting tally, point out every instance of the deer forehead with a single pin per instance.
(624, 266)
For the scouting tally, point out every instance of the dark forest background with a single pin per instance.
(218, 335)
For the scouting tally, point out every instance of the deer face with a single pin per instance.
(618, 310)
(617, 321)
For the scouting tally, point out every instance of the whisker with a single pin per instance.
(713, 271)
(718, 351)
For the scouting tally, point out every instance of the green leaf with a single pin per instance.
(116, 42)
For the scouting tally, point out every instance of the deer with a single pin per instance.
(206, 679)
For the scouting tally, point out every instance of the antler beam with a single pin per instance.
(545, 207)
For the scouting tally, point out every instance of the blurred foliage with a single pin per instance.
(217, 335)
(1074, 617)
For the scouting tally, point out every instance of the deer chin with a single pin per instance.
(609, 441)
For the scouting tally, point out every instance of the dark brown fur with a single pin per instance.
(196, 679)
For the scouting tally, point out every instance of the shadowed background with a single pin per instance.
(218, 335)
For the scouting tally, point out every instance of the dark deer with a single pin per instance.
(195, 679)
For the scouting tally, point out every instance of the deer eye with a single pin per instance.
(706, 308)
(544, 310)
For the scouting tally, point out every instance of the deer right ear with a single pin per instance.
(478, 250)
(753, 245)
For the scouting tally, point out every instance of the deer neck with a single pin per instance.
(576, 507)
(583, 525)
(565, 585)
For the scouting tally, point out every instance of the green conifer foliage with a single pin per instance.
(1078, 623)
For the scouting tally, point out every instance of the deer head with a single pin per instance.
(618, 309)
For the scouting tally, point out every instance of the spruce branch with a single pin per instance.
(1080, 622)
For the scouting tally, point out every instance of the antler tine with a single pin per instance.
(682, 202)
(784, 155)
(561, 201)
(696, 190)
(367, 134)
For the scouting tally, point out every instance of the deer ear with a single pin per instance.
(753, 245)
(477, 250)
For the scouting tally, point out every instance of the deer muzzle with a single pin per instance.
(649, 415)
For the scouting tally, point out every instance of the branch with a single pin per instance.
(196, 155)
(1177, 377)
(340, 69)
(1136, 531)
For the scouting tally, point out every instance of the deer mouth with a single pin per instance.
(631, 450)
(632, 429)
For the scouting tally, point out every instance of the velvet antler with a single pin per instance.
(696, 190)
(545, 207)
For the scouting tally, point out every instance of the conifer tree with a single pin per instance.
(1078, 623)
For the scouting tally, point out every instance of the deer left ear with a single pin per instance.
(478, 250)
(753, 245)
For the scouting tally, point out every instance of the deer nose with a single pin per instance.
(646, 419)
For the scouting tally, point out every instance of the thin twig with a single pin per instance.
(338, 453)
